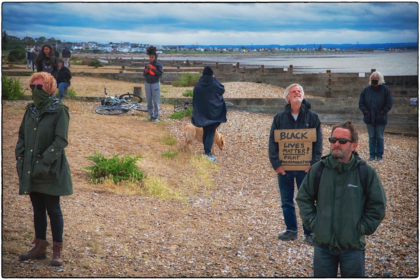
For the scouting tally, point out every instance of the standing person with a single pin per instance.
(42, 166)
(209, 108)
(46, 61)
(297, 114)
(375, 102)
(152, 73)
(28, 57)
(63, 79)
(32, 58)
(341, 200)
(66, 54)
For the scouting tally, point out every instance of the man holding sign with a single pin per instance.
(295, 144)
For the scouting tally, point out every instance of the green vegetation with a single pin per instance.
(95, 63)
(114, 168)
(168, 140)
(169, 154)
(11, 88)
(17, 55)
(186, 80)
(71, 92)
(188, 93)
(182, 114)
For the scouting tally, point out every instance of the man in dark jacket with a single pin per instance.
(344, 208)
(66, 54)
(152, 73)
(209, 108)
(297, 114)
(375, 102)
(63, 79)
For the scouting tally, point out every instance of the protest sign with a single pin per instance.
(295, 147)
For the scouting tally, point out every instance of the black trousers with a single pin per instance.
(208, 137)
(43, 204)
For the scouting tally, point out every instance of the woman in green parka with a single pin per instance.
(42, 166)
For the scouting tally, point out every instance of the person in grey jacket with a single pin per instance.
(375, 102)
(152, 73)
(297, 114)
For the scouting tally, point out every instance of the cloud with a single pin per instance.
(215, 23)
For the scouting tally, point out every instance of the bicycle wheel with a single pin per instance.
(140, 107)
(130, 98)
(115, 110)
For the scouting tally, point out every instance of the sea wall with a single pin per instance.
(328, 84)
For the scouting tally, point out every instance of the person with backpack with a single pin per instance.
(296, 115)
(341, 204)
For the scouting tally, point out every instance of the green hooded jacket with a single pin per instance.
(41, 161)
(344, 213)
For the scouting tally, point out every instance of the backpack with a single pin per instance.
(362, 173)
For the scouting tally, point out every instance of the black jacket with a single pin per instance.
(209, 107)
(285, 120)
(375, 103)
(63, 75)
(47, 64)
(154, 75)
(66, 53)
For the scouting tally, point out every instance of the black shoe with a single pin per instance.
(308, 239)
(371, 158)
(288, 235)
(379, 159)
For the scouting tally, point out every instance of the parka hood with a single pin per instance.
(342, 167)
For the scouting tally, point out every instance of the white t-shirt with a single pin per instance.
(295, 116)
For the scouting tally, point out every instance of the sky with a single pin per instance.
(215, 23)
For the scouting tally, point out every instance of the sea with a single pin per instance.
(388, 63)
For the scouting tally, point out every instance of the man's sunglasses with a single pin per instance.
(36, 86)
(340, 140)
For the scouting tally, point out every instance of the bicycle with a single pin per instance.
(117, 105)
(182, 107)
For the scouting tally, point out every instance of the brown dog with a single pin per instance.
(192, 132)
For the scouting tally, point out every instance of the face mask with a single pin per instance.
(374, 82)
(40, 97)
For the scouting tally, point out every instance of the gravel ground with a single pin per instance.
(228, 230)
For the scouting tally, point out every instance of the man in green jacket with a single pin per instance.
(344, 208)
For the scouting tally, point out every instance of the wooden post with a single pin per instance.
(328, 92)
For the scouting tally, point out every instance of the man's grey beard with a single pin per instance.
(338, 156)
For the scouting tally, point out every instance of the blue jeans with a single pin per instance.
(42, 204)
(326, 260)
(152, 98)
(376, 140)
(287, 193)
(208, 137)
(62, 89)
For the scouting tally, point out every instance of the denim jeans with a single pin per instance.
(208, 137)
(376, 140)
(41, 204)
(287, 193)
(326, 260)
(152, 98)
(62, 88)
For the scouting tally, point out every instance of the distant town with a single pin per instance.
(12, 42)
